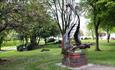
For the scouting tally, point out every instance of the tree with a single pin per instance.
(2, 35)
(91, 29)
(63, 15)
(93, 11)
(27, 17)
(101, 12)
(34, 22)
(107, 10)
(49, 30)
(6, 9)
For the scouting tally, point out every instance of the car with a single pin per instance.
(21, 47)
(113, 38)
(85, 37)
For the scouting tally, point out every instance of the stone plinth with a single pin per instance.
(74, 60)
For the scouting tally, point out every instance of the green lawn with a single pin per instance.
(37, 60)
(106, 56)
(11, 43)
(33, 60)
(17, 42)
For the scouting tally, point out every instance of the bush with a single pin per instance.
(58, 42)
(50, 40)
(29, 47)
(21, 47)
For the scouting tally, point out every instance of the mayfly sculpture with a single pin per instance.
(74, 55)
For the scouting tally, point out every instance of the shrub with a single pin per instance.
(21, 47)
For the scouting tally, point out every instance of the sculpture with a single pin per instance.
(72, 57)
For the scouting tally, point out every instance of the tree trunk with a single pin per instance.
(26, 39)
(0, 48)
(45, 40)
(97, 39)
(96, 26)
(33, 40)
(38, 40)
(108, 38)
(1, 41)
(108, 34)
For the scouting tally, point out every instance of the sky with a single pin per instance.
(83, 25)
(83, 21)
(77, 1)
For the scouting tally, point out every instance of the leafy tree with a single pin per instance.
(6, 20)
(49, 30)
(107, 10)
(101, 13)
(2, 35)
(93, 10)
(35, 22)
(27, 17)
(91, 29)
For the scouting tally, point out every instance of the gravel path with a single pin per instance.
(90, 67)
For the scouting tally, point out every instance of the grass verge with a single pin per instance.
(37, 60)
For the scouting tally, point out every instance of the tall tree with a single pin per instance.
(107, 15)
(63, 15)
(93, 11)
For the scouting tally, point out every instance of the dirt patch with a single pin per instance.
(3, 61)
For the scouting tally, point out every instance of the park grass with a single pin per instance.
(11, 43)
(105, 56)
(33, 60)
(37, 60)
(14, 43)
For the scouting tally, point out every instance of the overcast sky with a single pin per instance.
(84, 21)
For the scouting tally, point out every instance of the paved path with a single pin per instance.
(94, 67)
(5, 49)
(90, 67)
(9, 48)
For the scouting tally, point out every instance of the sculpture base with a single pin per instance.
(74, 60)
